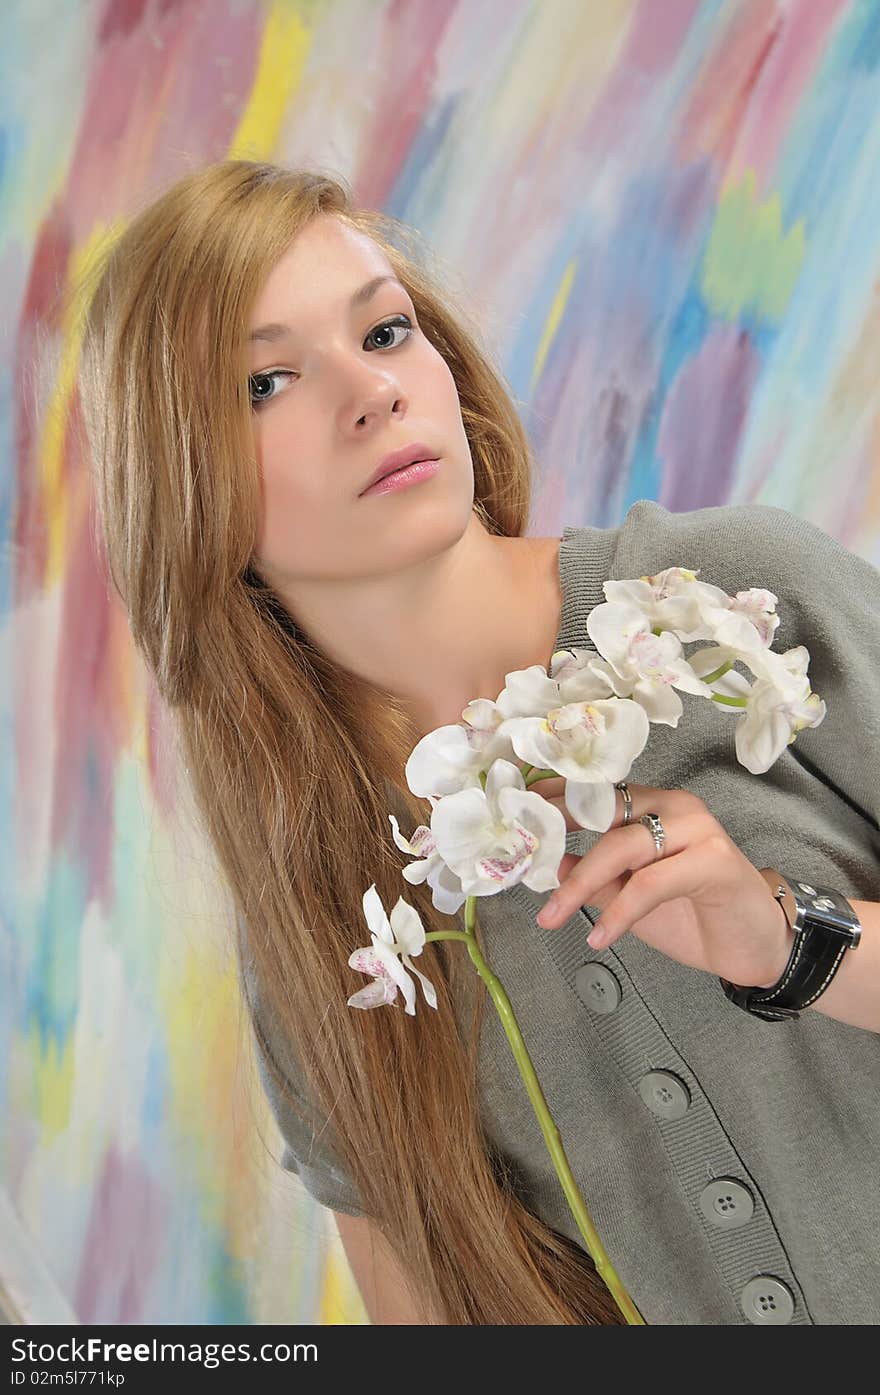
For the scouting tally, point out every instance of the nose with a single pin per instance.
(373, 398)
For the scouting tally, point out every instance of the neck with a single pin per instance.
(446, 628)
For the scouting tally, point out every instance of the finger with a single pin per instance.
(566, 867)
(619, 851)
(682, 875)
(550, 786)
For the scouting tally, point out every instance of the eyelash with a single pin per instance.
(396, 322)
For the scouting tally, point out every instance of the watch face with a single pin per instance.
(829, 911)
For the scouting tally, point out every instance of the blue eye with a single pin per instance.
(256, 380)
(399, 322)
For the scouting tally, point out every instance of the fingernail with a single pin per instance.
(597, 938)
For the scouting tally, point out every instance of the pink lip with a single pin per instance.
(406, 455)
(399, 479)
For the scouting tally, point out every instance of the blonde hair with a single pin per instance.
(291, 758)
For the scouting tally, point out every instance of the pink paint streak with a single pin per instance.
(165, 97)
(165, 92)
(742, 108)
(122, 1245)
(412, 33)
(657, 32)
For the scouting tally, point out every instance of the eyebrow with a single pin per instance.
(273, 332)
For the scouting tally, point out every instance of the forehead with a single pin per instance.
(321, 267)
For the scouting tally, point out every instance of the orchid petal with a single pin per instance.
(738, 631)
(530, 741)
(595, 680)
(659, 700)
(760, 743)
(528, 692)
(375, 994)
(409, 932)
(397, 972)
(592, 806)
(417, 872)
(420, 844)
(427, 986)
(443, 762)
(447, 894)
(612, 628)
(375, 915)
(460, 825)
(503, 774)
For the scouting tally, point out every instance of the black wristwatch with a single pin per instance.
(825, 927)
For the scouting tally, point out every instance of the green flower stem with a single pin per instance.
(551, 1133)
(533, 773)
(728, 701)
(719, 673)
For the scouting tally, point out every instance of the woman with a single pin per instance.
(254, 348)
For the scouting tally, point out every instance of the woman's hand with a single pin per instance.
(700, 901)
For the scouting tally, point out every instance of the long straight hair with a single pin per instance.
(291, 758)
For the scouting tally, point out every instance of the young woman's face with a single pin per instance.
(334, 393)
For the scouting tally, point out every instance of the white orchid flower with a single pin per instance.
(494, 838)
(771, 722)
(446, 889)
(451, 757)
(673, 600)
(404, 937)
(759, 607)
(528, 692)
(591, 745)
(779, 703)
(587, 719)
(649, 667)
(576, 675)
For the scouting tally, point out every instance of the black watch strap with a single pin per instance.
(825, 926)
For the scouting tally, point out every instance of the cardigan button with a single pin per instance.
(666, 1096)
(766, 1300)
(598, 988)
(727, 1203)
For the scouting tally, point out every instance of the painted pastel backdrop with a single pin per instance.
(667, 212)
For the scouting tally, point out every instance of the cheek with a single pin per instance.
(292, 509)
(443, 385)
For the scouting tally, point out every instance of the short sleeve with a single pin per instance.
(308, 1148)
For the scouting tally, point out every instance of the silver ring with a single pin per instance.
(627, 802)
(657, 831)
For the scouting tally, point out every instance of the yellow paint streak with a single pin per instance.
(341, 1300)
(200, 1003)
(280, 65)
(54, 425)
(340, 1303)
(53, 1082)
(557, 309)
